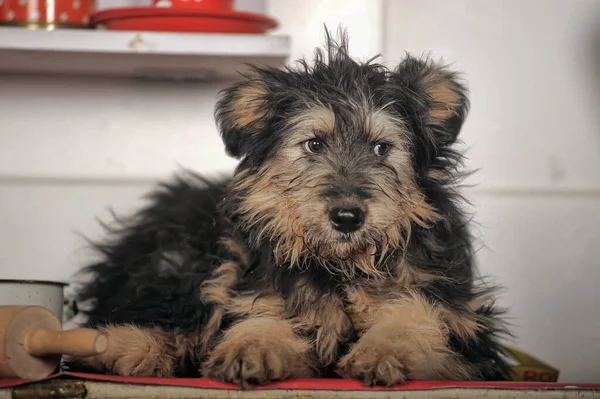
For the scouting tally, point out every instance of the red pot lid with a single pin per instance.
(182, 19)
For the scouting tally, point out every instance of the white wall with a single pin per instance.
(534, 130)
(71, 147)
(303, 20)
(64, 156)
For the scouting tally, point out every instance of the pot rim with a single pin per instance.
(28, 281)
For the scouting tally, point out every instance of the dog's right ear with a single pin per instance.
(241, 113)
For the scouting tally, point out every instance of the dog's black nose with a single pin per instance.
(346, 220)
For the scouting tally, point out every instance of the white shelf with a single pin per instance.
(118, 53)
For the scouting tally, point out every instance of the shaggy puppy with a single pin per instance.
(338, 246)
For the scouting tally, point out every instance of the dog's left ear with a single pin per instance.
(242, 113)
(433, 97)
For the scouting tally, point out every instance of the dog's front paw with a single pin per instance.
(258, 351)
(373, 365)
(253, 363)
(132, 351)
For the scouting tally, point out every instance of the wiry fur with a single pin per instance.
(246, 280)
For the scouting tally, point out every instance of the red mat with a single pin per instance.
(312, 384)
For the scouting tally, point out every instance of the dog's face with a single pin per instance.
(336, 156)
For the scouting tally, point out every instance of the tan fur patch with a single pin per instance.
(256, 305)
(438, 175)
(282, 224)
(380, 125)
(317, 119)
(465, 324)
(247, 107)
(411, 277)
(134, 351)
(217, 291)
(333, 328)
(444, 95)
(406, 339)
(238, 249)
(323, 316)
(259, 350)
(193, 344)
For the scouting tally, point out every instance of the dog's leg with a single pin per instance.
(259, 350)
(404, 339)
(135, 351)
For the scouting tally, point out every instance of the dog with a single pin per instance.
(339, 247)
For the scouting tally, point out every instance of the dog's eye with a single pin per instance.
(313, 146)
(381, 149)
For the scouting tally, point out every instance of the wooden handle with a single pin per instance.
(81, 342)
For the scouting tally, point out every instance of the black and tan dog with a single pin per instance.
(338, 246)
